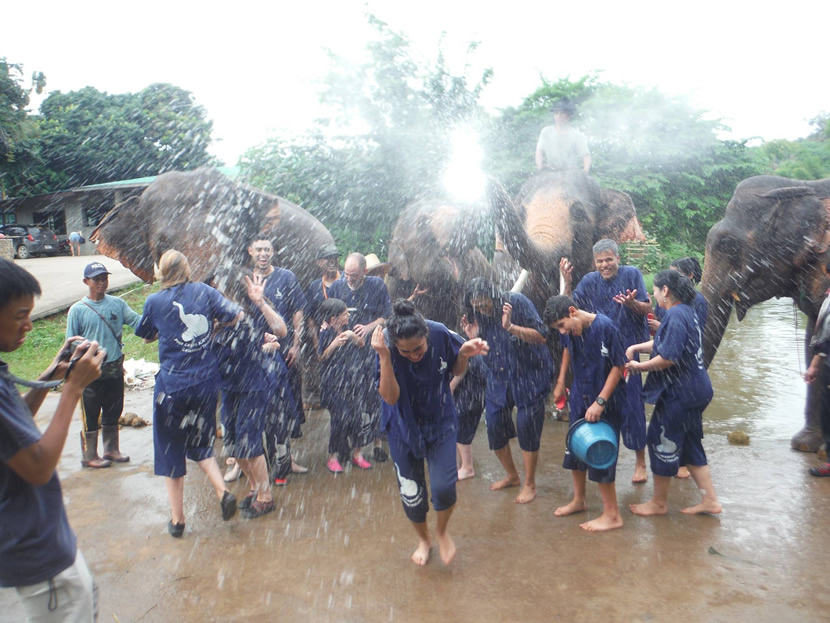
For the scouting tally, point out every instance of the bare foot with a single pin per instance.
(527, 494)
(649, 508)
(640, 475)
(421, 555)
(705, 507)
(446, 547)
(683, 472)
(466, 472)
(504, 483)
(603, 523)
(574, 506)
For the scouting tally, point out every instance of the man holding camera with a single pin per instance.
(100, 317)
(39, 556)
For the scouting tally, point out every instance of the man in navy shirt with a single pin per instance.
(38, 549)
(283, 292)
(369, 306)
(618, 292)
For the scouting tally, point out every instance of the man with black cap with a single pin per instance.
(561, 146)
(101, 317)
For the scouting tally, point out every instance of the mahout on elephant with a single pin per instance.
(433, 247)
(772, 242)
(556, 214)
(210, 219)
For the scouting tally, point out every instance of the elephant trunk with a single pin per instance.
(720, 309)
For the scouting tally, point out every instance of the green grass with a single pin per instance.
(48, 334)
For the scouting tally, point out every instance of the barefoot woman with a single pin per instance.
(419, 416)
(680, 390)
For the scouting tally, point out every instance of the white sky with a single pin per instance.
(255, 66)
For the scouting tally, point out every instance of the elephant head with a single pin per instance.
(559, 214)
(433, 246)
(210, 219)
(771, 242)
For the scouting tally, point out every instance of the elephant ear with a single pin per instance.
(617, 219)
(123, 235)
(800, 222)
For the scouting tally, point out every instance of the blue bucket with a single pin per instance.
(593, 443)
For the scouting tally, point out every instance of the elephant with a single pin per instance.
(210, 219)
(433, 247)
(557, 214)
(772, 242)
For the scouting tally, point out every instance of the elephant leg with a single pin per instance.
(809, 438)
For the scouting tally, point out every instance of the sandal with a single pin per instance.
(233, 473)
(258, 509)
(176, 530)
(821, 471)
(246, 501)
(228, 505)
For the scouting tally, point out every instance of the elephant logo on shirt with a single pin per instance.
(666, 450)
(195, 324)
(442, 366)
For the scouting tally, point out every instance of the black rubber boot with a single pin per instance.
(111, 451)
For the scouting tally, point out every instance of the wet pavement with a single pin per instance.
(338, 547)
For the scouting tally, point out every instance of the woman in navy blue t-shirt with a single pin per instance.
(680, 390)
(416, 359)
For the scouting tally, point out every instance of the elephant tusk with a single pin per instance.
(520, 282)
(736, 297)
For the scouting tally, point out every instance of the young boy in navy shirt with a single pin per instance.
(594, 349)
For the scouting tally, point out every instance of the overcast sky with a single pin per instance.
(256, 66)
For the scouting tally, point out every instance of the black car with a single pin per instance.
(30, 240)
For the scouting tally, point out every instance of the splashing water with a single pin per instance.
(464, 179)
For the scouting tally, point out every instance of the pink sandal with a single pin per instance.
(362, 463)
(334, 466)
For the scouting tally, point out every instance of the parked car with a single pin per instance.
(30, 240)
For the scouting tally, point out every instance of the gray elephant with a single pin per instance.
(433, 247)
(210, 219)
(772, 241)
(557, 214)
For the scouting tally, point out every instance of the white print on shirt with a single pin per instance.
(666, 450)
(195, 324)
(443, 365)
(411, 493)
(603, 350)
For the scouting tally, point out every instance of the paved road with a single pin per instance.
(61, 279)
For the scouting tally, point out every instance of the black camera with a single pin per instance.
(66, 354)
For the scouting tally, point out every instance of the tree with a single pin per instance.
(19, 155)
(385, 144)
(803, 159)
(90, 137)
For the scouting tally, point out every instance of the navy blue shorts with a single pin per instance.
(412, 484)
(184, 426)
(499, 417)
(675, 438)
(243, 416)
(609, 474)
(634, 421)
(468, 424)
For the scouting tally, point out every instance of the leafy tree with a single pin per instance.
(385, 144)
(804, 159)
(90, 137)
(19, 156)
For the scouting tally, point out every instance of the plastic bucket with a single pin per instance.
(593, 443)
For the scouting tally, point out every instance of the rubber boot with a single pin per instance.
(89, 445)
(111, 451)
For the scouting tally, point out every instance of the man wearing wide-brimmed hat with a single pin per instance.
(561, 146)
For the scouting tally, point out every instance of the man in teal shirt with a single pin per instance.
(100, 317)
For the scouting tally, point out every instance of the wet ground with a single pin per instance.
(337, 549)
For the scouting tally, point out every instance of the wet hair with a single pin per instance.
(16, 282)
(259, 237)
(405, 321)
(606, 244)
(564, 105)
(330, 308)
(481, 288)
(679, 285)
(361, 260)
(690, 267)
(557, 308)
(174, 269)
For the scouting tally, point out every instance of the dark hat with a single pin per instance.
(564, 105)
(327, 250)
(95, 269)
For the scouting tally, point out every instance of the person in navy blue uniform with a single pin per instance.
(593, 349)
(520, 372)
(619, 293)
(690, 267)
(416, 359)
(285, 295)
(468, 392)
(39, 554)
(251, 379)
(680, 389)
(181, 317)
(369, 305)
(342, 385)
(819, 369)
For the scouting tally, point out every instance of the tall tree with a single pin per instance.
(805, 158)
(20, 162)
